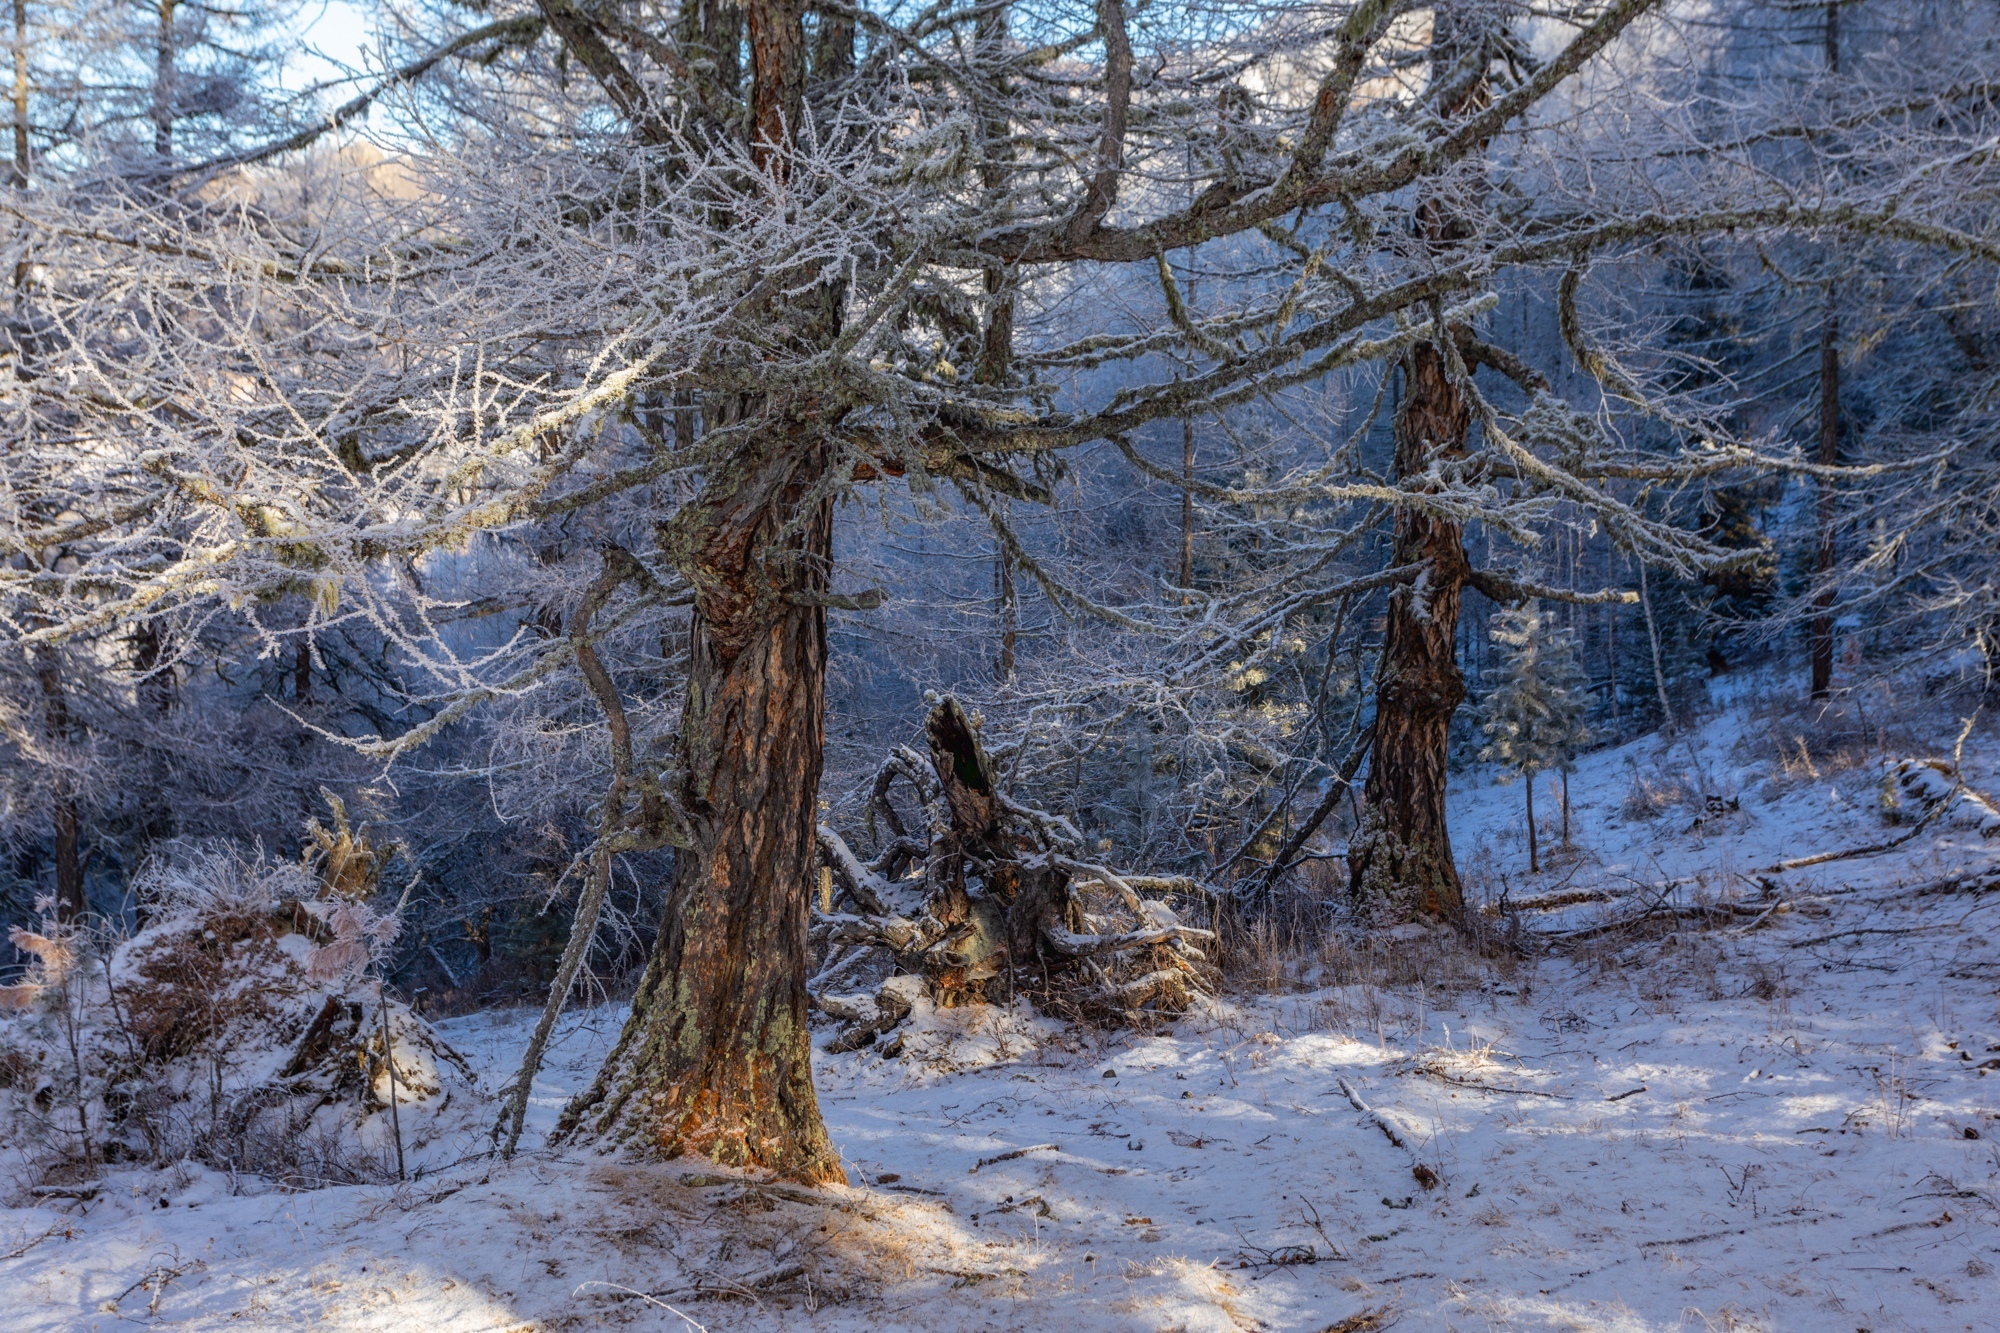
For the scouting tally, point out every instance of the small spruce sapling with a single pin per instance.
(1534, 719)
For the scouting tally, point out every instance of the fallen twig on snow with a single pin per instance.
(1940, 1220)
(1456, 1081)
(1863, 930)
(1765, 915)
(81, 1193)
(1425, 1177)
(1012, 1154)
(62, 1229)
(1964, 881)
(743, 1289)
(1284, 1256)
(1689, 912)
(1731, 1231)
(622, 1293)
(156, 1281)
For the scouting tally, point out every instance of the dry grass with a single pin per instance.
(1811, 741)
(1362, 982)
(1648, 796)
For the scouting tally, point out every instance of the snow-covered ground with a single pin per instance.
(1769, 1120)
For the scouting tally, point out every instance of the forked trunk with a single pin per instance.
(715, 1060)
(1399, 860)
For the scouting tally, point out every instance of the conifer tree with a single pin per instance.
(1534, 720)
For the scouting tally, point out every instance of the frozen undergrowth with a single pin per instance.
(1781, 1126)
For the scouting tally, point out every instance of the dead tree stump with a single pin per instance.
(987, 900)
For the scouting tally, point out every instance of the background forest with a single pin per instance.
(1742, 242)
(790, 514)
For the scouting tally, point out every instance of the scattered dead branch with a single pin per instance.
(1857, 931)
(1442, 1076)
(1011, 1155)
(1423, 1174)
(1255, 1257)
(62, 1229)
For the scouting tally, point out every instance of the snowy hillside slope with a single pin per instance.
(1775, 1109)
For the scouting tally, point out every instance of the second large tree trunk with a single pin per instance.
(1399, 860)
(1829, 442)
(715, 1060)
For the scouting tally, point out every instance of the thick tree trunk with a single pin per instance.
(777, 80)
(716, 1058)
(163, 80)
(1399, 860)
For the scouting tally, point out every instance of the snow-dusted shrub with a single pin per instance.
(238, 1026)
(205, 878)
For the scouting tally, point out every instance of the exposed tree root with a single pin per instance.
(981, 898)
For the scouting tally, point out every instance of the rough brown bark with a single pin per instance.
(164, 54)
(979, 919)
(715, 1060)
(1400, 864)
(1399, 861)
(777, 79)
(71, 901)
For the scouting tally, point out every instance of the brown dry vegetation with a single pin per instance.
(198, 982)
